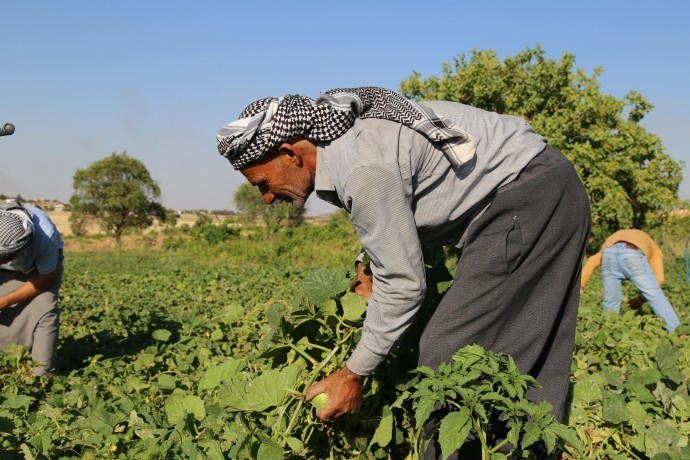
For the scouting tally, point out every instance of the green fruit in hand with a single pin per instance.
(320, 400)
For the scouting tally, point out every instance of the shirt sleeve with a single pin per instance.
(46, 260)
(592, 263)
(384, 221)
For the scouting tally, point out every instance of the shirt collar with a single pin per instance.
(322, 181)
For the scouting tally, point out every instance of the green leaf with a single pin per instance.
(425, 371)
(514, 434)
(213, 450)
(638, 412)
(177, 407)
(568, 435)
(577, 416)
(270, 452)
(454, 429)
(26, 450)
(384, 432)
(549, 438)
(660, 437)
(295, 444)
(614, 408)
(266, 390)
(637, 442)
(100, 420)
(161, 335)
(612, 379)
(423, 409)
(645, 377)
(667, 358)
(354, 307)
(42, 442)
(328, 308)
(586, 391)
(233, 312)
(13, 401)
(167, 382)
(532, 434)
(323, 284)
(220, 373)
(217, 335)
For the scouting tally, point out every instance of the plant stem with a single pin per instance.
(314, 373)
(318, 347)
(499, 445)
(626, 449)
(482, 438)
(302, 353)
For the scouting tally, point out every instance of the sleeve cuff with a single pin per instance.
(360, 258)
(364, 361)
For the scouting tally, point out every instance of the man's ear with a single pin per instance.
(291, 153)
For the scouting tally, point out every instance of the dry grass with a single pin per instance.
(61, 221)
(146, 238)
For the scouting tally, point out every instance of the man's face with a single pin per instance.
(280, 178)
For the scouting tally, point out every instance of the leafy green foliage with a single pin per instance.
(478, 391)
(117, 192)
(630, 378)
(182, 354)
(630, 180)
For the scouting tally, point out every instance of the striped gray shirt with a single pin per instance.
(402, 193)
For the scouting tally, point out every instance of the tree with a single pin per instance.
(251, 205)
(630, 180)
(117, 192)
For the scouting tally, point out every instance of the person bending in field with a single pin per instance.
(632, 255)
(432, 174)
(30, 277)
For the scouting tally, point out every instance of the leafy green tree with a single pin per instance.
(118, 193)
(630, 180)
(251, 205)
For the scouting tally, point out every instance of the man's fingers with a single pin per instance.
(327, 413)
(314, 390)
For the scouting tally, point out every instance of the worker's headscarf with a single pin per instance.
(16, 229)
(268, 122)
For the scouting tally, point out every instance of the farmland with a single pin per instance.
(202, 348)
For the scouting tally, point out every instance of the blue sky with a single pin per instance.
(83, 79)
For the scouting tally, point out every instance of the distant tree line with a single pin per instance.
(630, 179)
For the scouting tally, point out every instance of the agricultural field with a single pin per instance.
(203, 348)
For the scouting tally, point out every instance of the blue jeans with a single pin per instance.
(620, 263)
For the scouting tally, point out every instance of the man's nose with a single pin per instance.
(269, 197)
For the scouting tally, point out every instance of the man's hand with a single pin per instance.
(344, 389)
(363, 282)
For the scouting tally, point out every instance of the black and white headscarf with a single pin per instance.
(16, 229)
(268, 122)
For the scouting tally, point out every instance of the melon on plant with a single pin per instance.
(320, 400)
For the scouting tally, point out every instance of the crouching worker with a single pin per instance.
(433, 173)
(632, 255)
(30, 277)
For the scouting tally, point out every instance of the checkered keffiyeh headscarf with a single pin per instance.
(268, 122)
(16, 229)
